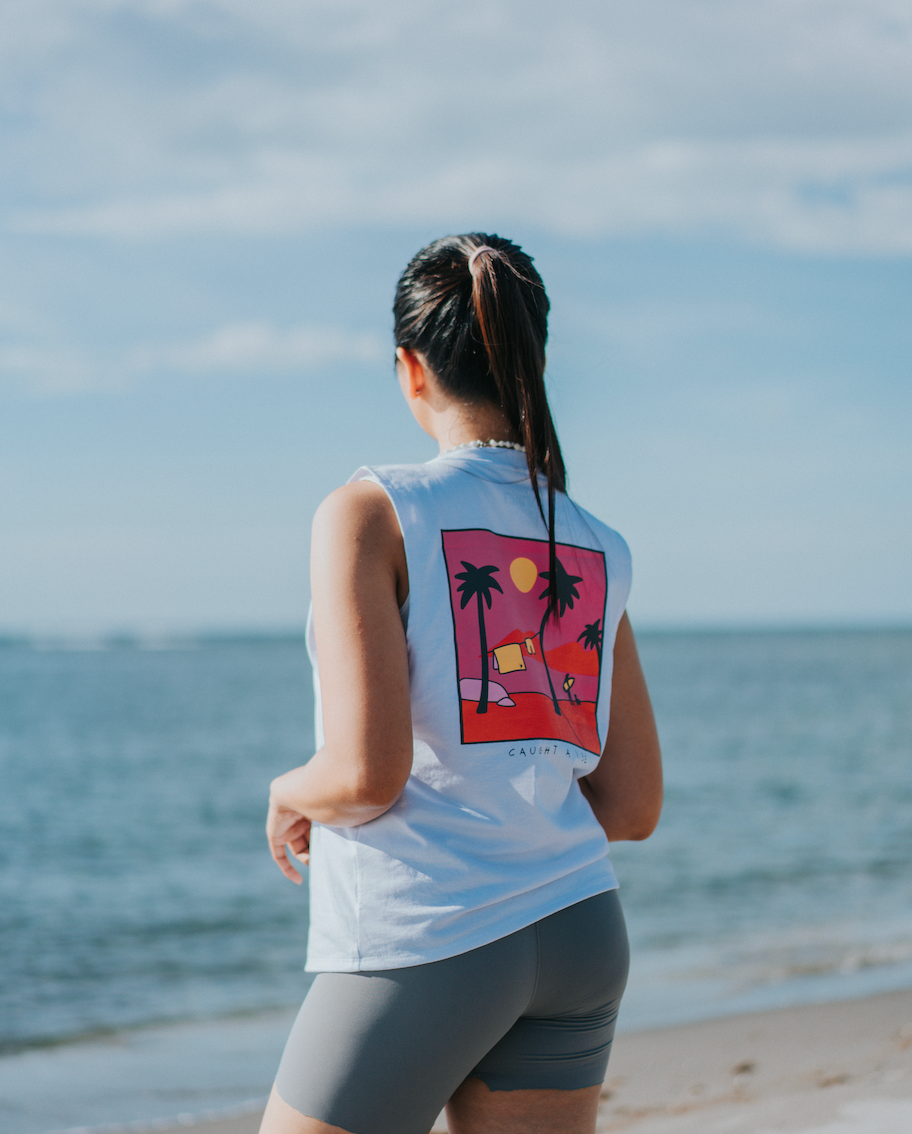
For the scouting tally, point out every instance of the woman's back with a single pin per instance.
(509, 708)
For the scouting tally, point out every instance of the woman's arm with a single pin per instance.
(359, 578)
(625, 790)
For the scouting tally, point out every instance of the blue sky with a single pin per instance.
(205, 206)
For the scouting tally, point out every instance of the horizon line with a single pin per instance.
(226, 634)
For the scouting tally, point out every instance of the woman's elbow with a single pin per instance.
(378, 797)
(640, 829)
(379, 786)
(650, 812)
(634, 822)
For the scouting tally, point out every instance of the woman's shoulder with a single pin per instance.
(389, 472)
(611, 540)
(357, 510)
(376, 497)
(401, 482)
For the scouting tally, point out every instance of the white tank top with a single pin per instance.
(491, 832)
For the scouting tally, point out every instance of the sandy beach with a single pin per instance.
(843, 1068)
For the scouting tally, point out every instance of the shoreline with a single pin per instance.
(842, 1067)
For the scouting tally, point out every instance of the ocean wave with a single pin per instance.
(145, 1126)
(777, 959)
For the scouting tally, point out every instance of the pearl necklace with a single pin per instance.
(492, 444)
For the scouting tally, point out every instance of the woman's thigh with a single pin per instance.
(474, 1109)
(531, 1014)
(381, 1052)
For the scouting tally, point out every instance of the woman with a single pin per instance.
(469, 622)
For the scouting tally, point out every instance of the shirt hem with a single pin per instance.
(455, 948)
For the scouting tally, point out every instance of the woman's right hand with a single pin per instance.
(285, 827)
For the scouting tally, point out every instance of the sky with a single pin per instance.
(205, 205)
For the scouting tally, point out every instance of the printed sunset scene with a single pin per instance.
(521, 674)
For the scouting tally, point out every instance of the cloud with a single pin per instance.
(251, 348)
(780, 122)
(258, 346)
(850, 196)
(49, 370)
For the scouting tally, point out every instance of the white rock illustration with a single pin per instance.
(470, 690)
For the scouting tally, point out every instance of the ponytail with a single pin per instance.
(475, 307)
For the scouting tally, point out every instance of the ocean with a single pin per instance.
(151, 955)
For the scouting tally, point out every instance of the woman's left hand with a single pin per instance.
(287, 827)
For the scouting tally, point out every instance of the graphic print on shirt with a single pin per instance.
(521, 674)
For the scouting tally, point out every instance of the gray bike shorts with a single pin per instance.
(381, 1052)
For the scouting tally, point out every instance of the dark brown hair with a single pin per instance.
(482, 331)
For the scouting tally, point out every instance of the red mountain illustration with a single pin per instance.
(572, 658)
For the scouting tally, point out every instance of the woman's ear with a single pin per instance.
(412, 370)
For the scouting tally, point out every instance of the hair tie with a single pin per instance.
(478, 251)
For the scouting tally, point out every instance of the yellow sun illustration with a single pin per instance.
(523, 572)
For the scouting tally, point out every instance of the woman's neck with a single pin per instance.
(449, 421)
(460, 424)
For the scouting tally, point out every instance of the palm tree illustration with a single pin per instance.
(566, 593)
(591, 638)
(478, 584)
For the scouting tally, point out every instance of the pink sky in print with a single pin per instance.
(496, 583)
